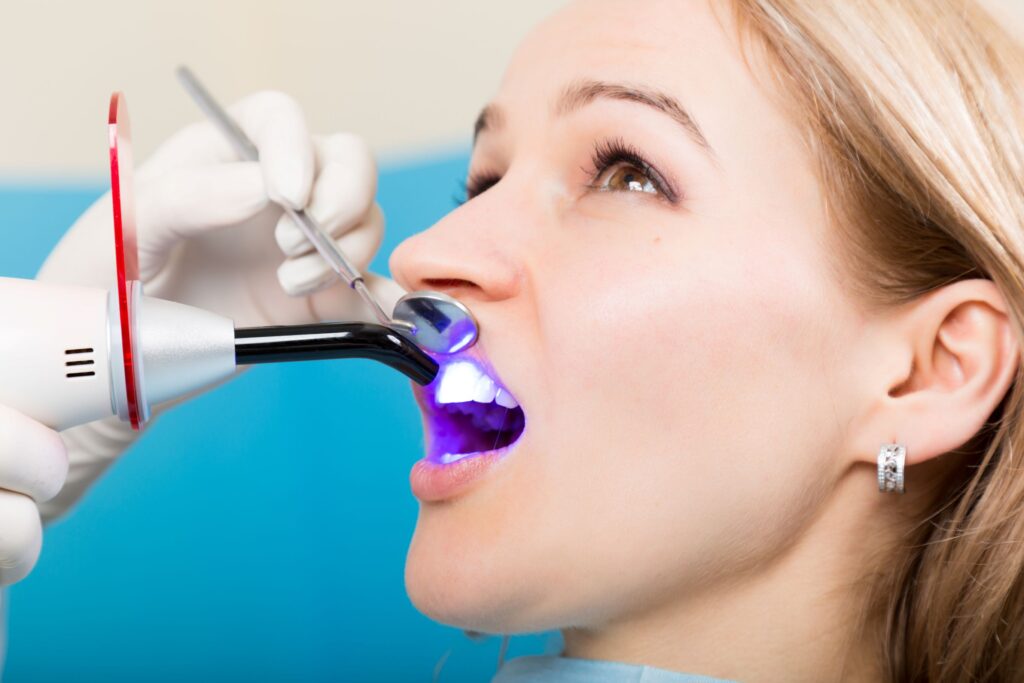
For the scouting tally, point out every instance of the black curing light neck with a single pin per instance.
(329, 341)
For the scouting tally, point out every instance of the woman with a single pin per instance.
(736, 265)
(723, 254)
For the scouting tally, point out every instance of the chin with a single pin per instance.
(449, 585)
(459, 587)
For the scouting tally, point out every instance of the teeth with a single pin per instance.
(505, 399)
(449, 458)
(463, 381)
(462, 408)
(458, 383)
(485, 390)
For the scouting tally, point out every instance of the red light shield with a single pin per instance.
(125, 248)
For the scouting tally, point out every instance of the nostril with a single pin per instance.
(447, 283)
(453, 287)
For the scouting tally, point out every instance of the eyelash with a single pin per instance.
(476, 184)
(610, 153)
(606, 155)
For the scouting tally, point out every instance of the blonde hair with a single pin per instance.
(915, 111)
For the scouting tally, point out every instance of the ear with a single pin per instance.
(950, 357)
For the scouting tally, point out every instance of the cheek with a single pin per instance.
(676, 334)
(685, 400)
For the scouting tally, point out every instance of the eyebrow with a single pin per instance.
(582, 93)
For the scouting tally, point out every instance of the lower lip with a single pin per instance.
(434, 482)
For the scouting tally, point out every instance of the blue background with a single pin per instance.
(257, 533)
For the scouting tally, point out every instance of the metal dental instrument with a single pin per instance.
(433, 320)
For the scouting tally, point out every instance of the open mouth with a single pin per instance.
(469, 413)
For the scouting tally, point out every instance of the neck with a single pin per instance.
(800, 617)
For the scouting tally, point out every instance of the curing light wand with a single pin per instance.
(63, 361)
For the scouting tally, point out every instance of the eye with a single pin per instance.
(618, 167)
(625, 177)
(476, 184)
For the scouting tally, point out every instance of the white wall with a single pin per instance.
(405, 74)
(402, 73)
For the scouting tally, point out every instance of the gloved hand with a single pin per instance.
(209, 237)
(33, 465)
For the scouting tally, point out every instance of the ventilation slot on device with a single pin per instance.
(77, 365)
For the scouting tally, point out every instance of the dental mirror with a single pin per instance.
(436, 321)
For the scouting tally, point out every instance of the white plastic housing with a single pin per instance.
(51, 338)
(60, 357)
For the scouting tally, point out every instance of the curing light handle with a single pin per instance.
(325, 341)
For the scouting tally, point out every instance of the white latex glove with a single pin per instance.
(33, 465)
(209, 237)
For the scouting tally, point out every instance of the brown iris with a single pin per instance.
(628, 178)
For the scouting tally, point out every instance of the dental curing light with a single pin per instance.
(70, 355)
(433, 320)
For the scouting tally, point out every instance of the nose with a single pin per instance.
(468, 255)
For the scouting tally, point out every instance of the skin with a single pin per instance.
(695, 489)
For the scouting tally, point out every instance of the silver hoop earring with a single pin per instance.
(891, 459)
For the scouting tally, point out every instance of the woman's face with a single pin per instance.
(645, 251)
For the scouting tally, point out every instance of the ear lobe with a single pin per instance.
(965, 357)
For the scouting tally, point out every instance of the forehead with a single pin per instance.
(689, 49)
(679, 44)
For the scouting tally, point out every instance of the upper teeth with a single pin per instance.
(464, 381)
(503, 398)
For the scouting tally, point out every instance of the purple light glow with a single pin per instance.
(462, 415)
